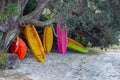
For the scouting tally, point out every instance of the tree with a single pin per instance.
(11, 18)
(94, 21)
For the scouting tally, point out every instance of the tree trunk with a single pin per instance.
(11, 32)
(10, 25)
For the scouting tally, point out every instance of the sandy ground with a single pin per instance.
(71, 66)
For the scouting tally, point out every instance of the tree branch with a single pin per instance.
(23, 4)
(2, 29)
(12, 34)
(3, 26)
(38, 10)
(2, 6)
(87, 34)
(40, 23)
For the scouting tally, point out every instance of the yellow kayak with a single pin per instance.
(48, 39)
(72, 41)
(34, 42)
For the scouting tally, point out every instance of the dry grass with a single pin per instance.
(3, 58)
(98, 49)
(115, 47)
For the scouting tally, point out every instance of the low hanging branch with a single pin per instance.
(2, 7)
(23, 4)
(34, 15)
(11, 22)
(12, 34)
(2, 29)
(43, 5)
(38, 9)
(40, 23)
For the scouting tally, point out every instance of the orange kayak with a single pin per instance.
(18, 47)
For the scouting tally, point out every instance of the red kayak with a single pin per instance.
(18, 47)
(62, 40)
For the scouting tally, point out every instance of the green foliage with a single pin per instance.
(30, 6)
(1, 34)
(3, 58)
(47, 13)
(2, 16)
(2, 51)
(12, 9)
(93, 21)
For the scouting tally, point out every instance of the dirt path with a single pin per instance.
(71, 66)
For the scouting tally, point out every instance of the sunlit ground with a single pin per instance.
(111, 48)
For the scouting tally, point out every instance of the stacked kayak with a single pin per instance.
(34, 42)
(61, 38)
(19, 48)
(72, 44)
(72, 41)
(48, 39)
(38, 49)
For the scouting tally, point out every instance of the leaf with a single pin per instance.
(2, 16)
(12, 9)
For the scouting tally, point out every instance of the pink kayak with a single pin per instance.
(61, 38)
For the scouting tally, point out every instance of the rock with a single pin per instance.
(9, 61)
(29, 53)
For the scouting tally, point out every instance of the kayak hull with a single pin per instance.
(34, 42)
(77, 48)
(48, 39)
(19, 48)
(61, 39)
(72, 41)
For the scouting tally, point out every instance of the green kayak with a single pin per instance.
(77, 48)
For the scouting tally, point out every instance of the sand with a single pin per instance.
(71, 66)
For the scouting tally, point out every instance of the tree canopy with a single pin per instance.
(91, 22)
(94, 22)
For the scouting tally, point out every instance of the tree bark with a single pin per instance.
(10, 26)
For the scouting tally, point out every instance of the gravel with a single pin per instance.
(71, 66)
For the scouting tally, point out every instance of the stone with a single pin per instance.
(9, 61)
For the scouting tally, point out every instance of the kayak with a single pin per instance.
(34, 42)
(78, 48)
(48, 39)
(19, 48)
(72, 41)
(62, 40)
